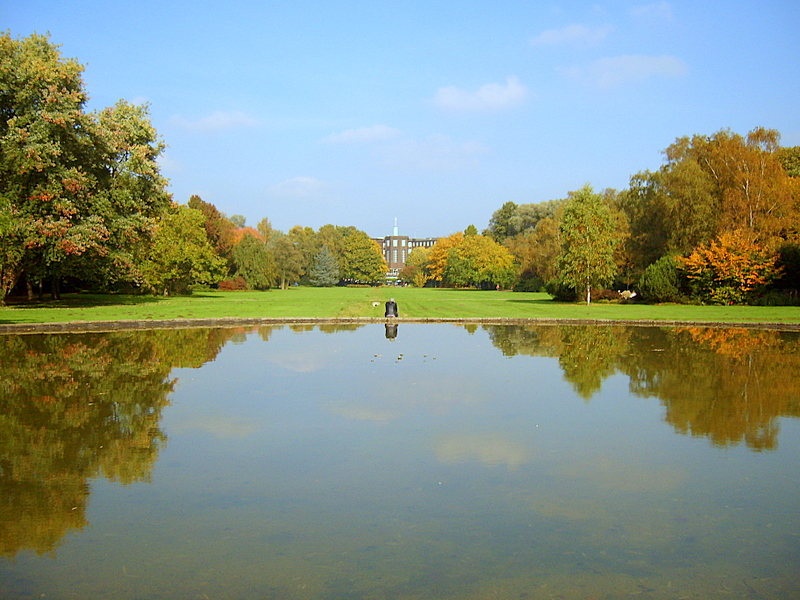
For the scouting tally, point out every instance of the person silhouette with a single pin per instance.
(391, 308)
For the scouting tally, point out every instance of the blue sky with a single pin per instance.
(435, 113)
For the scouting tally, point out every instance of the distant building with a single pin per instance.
(396, 249)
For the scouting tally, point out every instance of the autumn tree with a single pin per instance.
(219, 230)
(587, 234)
(479, 260)
(730, 269)
(415, 270)
(536, 253)
(439, 253)
(710, 185)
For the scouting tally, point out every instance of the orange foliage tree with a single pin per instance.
(730, 269)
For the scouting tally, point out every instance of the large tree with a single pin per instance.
(710, 185)
(81, 191)
(479, 260)
(362, 259)
(588, 241)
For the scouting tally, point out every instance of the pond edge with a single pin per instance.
(123, 325)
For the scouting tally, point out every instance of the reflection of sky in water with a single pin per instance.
(346, 465)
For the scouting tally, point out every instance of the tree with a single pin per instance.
(264, 227)
(537, 254)
(588, 242)
(731, 268)
(254, 263)
(479, 260)
(219, 230)
(237, 220)
(325, 270)
(660, 282)
(362, 259)
(288, 258)
(305, 240)
(415, 270)
(181, 255)
(83, 191)
(500, 223)
(437, 259)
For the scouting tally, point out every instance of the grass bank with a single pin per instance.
(427, 303)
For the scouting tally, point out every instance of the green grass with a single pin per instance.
(303, 302)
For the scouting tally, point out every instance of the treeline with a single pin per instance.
(82, 201)
(719, 222)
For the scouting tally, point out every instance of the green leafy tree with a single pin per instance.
(305, 240)
(500, 224)
(288, 258)
(362, 259)
(588, 241)
(325, 270)
(83, 191)
(254, 263)
(238, 221)
(181, 255)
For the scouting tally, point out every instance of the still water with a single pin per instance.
(436, 461)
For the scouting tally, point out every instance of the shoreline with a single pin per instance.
(138, 325)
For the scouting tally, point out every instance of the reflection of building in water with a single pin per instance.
(396, 249)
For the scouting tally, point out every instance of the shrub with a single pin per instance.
(560, 291)
(236, 284)
(660, 282)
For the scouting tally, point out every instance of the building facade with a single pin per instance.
(396, 249)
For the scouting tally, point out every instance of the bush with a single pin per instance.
(560, 291)
(237, 284)
(530, 283)
(660, 282)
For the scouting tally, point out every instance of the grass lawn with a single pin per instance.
(305, 302)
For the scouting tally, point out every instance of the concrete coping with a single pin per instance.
(133, 325)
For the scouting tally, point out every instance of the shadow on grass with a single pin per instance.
(81, 301)
(542, 301)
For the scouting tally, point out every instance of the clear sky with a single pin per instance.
(432, 112)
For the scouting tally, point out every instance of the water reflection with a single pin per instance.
(302, 464)
(729, 385)
(73, 407)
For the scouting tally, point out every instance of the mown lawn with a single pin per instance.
(304, 302)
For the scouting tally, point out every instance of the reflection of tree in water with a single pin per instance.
(729, 385)
(78, 406)
(591, 354)
(587, 354)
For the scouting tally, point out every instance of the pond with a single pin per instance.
(430, 461)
